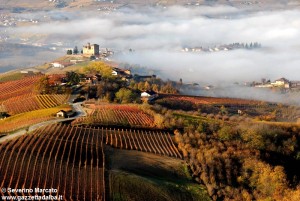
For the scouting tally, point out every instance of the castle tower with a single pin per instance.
(91, 50)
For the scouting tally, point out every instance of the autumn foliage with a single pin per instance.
(234, 162)
(21, 87)
(118, 115)
(30, 102)
(69, 159)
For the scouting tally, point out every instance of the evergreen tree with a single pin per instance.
(75, 50)
(69, 52)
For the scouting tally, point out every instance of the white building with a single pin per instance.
(60, 64)
(282, 82)
(57, 65)
(149, 95)
(115, 73)
(61, 114)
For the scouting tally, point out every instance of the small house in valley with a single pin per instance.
(61, 114)
(114, 73)
(125, 74)
(65, 114)
(140, 78)
(148, 95)
(92, 78)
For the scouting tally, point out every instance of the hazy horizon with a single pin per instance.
(157, 35)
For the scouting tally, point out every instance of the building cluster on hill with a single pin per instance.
(92, 51)
(139, 84)
(226, 47)
(95, 50)
(88, 52)
(9, 20)
(279, 83)
(125, 74)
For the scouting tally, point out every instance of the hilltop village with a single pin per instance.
(282, 83)
(92, 69)
(88, 75)
(225, 47)
(94, 77)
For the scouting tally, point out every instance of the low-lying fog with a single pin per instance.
(157, 35)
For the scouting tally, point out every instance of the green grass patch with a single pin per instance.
(126, 187)
(186, 172)
(11, 76)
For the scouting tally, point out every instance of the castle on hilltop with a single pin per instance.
(90, 50)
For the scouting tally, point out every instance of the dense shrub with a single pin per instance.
(234, 161)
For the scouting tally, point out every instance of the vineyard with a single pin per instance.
(211, 100)
(147, 141)
(72, 159)
(69, 159)
(29, 118)
(117, 115)
(21, 87)
(30, 102)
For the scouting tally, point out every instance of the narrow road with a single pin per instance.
(76, 106)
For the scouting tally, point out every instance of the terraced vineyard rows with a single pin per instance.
(9, 127)
(28, 118)
(211, 100)
(121, 115)
(30, 102)
(69, 159)
(18, 88)
(156, 142)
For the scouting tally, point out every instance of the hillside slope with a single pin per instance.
(145, 176)
(49, 4)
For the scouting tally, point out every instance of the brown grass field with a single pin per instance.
(148, 177)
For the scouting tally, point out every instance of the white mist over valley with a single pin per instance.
(157, 36)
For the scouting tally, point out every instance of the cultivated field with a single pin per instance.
(21, 87)
(71, 159)
(202, 100)
(65, 158)
(30, 102)
(147, 141)
(117, 115)
(29, 118)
